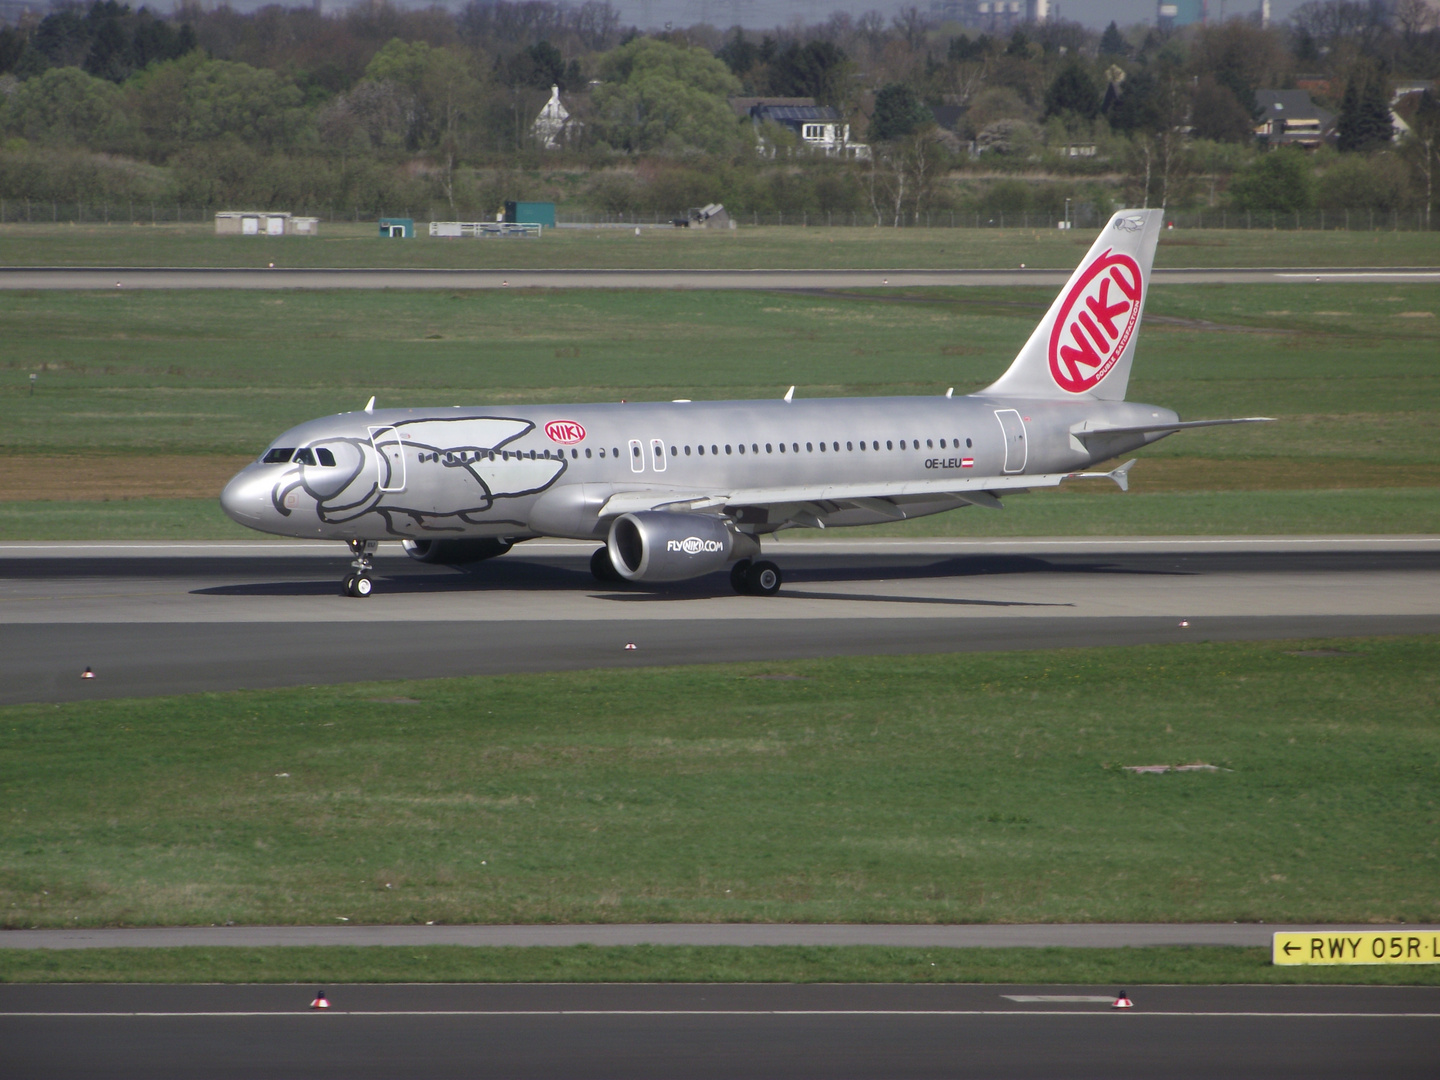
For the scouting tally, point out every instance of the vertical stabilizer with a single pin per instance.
(1084, 346)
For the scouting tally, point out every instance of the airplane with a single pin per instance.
(675, 490)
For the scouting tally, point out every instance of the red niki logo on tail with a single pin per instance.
(565, 431)
(1095, 322)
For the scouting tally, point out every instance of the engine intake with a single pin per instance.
(654, 545)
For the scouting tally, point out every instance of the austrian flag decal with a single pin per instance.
(565, 431)
(1095, 322)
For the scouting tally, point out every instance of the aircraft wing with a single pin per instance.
(877, 496)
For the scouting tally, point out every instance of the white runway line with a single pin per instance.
(332, 1011)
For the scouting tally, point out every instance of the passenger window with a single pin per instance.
(754, 448)
(727, 448)
(714, 449)
(532, 455)
(742, 448)
(902, 444)
(782, 448)
(672, 451)
(587, 451)
(767, 449)
(795, 446)
(850, 446)
(602, 451)
(700, 450)
(942, 444)
(889, 445)
(822, 448)
(687, 451)
(967, 442)
(615, 451)
(930, 443)
(574, 454)
(278, 456)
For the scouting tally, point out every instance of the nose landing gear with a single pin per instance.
(358, 583)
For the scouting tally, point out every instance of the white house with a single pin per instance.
(553, 127)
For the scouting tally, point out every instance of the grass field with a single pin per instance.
(342, 244)
(966, 788)
(158, 395)
(335, 965)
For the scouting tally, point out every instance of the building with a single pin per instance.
(1173, 14)
(554, 128)
(991, 16)
(264, 223)
(1290, 118)
(821, 129)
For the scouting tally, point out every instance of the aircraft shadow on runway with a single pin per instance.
(571, 575)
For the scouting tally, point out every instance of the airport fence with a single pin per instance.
(1085, 216)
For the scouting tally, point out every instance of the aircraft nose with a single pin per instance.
(245, 496)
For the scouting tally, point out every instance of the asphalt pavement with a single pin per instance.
(722, 1030)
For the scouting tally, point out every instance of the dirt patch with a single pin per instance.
(58, 477)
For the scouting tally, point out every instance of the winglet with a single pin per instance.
(950, 393)
(370, 405)
(789, 395)
(1121, 476)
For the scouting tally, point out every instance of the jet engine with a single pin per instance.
(653, 545)
(456, 552)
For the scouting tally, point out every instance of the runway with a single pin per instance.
(719, 1030)
(57, 277)
(159, 618)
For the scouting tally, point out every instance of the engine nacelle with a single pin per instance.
(456, 552)
(654, 545)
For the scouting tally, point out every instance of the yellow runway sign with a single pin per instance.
(1356, 947)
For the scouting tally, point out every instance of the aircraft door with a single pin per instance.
(1016, 452)
(389, 458)
(637, 456)
(657, 455)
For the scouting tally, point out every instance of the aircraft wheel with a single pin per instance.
(737, 576)
(348, 587)
(364, 586)
(763, 579)
(602, 568)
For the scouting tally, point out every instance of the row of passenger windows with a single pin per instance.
(321, 456)
(810, 448)
(304, 456)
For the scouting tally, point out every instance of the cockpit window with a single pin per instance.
(304, 456)
(326, 457)
(278, 455)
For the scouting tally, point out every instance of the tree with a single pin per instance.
(1281, 180)
(816, 69)
(65, 107)
(739, 54)
(1113, 43)
(1217, 115)
(1073, 92)
(898, 112)
(1364, 123)
(656, 95)
(1364, 182)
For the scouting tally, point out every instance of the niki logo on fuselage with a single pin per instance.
(1096, 322)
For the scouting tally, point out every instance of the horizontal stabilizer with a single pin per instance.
(1178, 425)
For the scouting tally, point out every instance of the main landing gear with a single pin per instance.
(755, 578)
(358, 582)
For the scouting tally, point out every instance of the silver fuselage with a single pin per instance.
(550, 470)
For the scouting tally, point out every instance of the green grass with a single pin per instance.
(342, 244)
(1086, 510)
(963, 788)
(222, 372)
(335, 965)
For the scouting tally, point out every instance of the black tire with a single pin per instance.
(737, 576)
(363, 586)
(347, 587)
(602, 568)
(762, 579)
